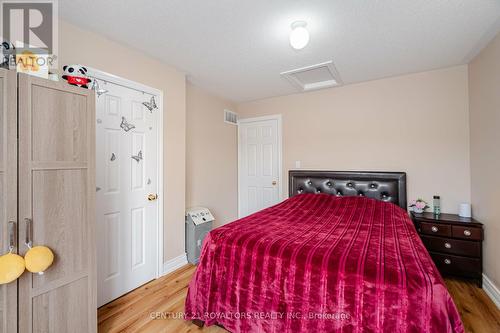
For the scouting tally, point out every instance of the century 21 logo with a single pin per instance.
(29, 25)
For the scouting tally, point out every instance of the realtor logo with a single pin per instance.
(31, 26)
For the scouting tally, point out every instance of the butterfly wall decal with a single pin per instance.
(125, 125)
(97, 88)
(151, 105)
(137, 157)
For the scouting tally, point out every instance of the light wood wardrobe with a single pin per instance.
(47, 176)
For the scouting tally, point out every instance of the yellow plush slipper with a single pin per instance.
(11, 267)
(38, 259)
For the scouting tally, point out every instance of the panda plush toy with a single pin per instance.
(7, 50)
(76, 75)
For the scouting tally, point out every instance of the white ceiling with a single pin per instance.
(238, 48)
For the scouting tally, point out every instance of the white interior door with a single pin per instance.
(259, 164)
(127, 173)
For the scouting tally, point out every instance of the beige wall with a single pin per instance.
(77, 46)
(415, 123)
(484, 91)
(211, 165)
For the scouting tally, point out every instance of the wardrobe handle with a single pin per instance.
(12, 235)
(29, 230)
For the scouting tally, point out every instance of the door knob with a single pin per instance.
(152, 197)
(274, 182)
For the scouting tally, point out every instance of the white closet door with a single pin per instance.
(127, 221)
(259, 165)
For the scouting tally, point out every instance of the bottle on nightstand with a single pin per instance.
(436, 205)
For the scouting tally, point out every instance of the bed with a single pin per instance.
(340, 255)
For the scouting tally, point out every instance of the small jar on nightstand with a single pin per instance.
(454, 243)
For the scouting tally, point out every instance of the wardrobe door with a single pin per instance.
(8, 194)
(56, 205)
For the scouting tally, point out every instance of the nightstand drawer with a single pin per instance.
(435, 229)
(452, 246)
(467, 232)
(457, 265)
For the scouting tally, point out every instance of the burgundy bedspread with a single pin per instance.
(319, 263)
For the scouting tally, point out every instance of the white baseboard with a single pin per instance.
(175, 263)
(491, 290)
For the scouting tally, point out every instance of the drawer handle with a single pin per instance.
(447, 261)
(467, 233)
(447, 245)
(434, 228)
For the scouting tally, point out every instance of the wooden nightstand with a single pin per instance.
(454, 243)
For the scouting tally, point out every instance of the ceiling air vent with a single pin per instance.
(230, 117)
(314, 77)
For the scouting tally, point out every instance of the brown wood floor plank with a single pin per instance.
(124, 302)
(156, 307)
(479, 313)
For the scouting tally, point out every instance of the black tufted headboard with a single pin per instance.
(385, 186)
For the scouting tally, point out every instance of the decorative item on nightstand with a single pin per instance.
(419, 206)
(454, 243)
(436, 205)
(464, 210)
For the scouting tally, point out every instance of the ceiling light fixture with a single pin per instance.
(299, 36)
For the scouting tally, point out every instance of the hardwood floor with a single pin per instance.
(479, 313)
(152, 307)
(155, 307)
